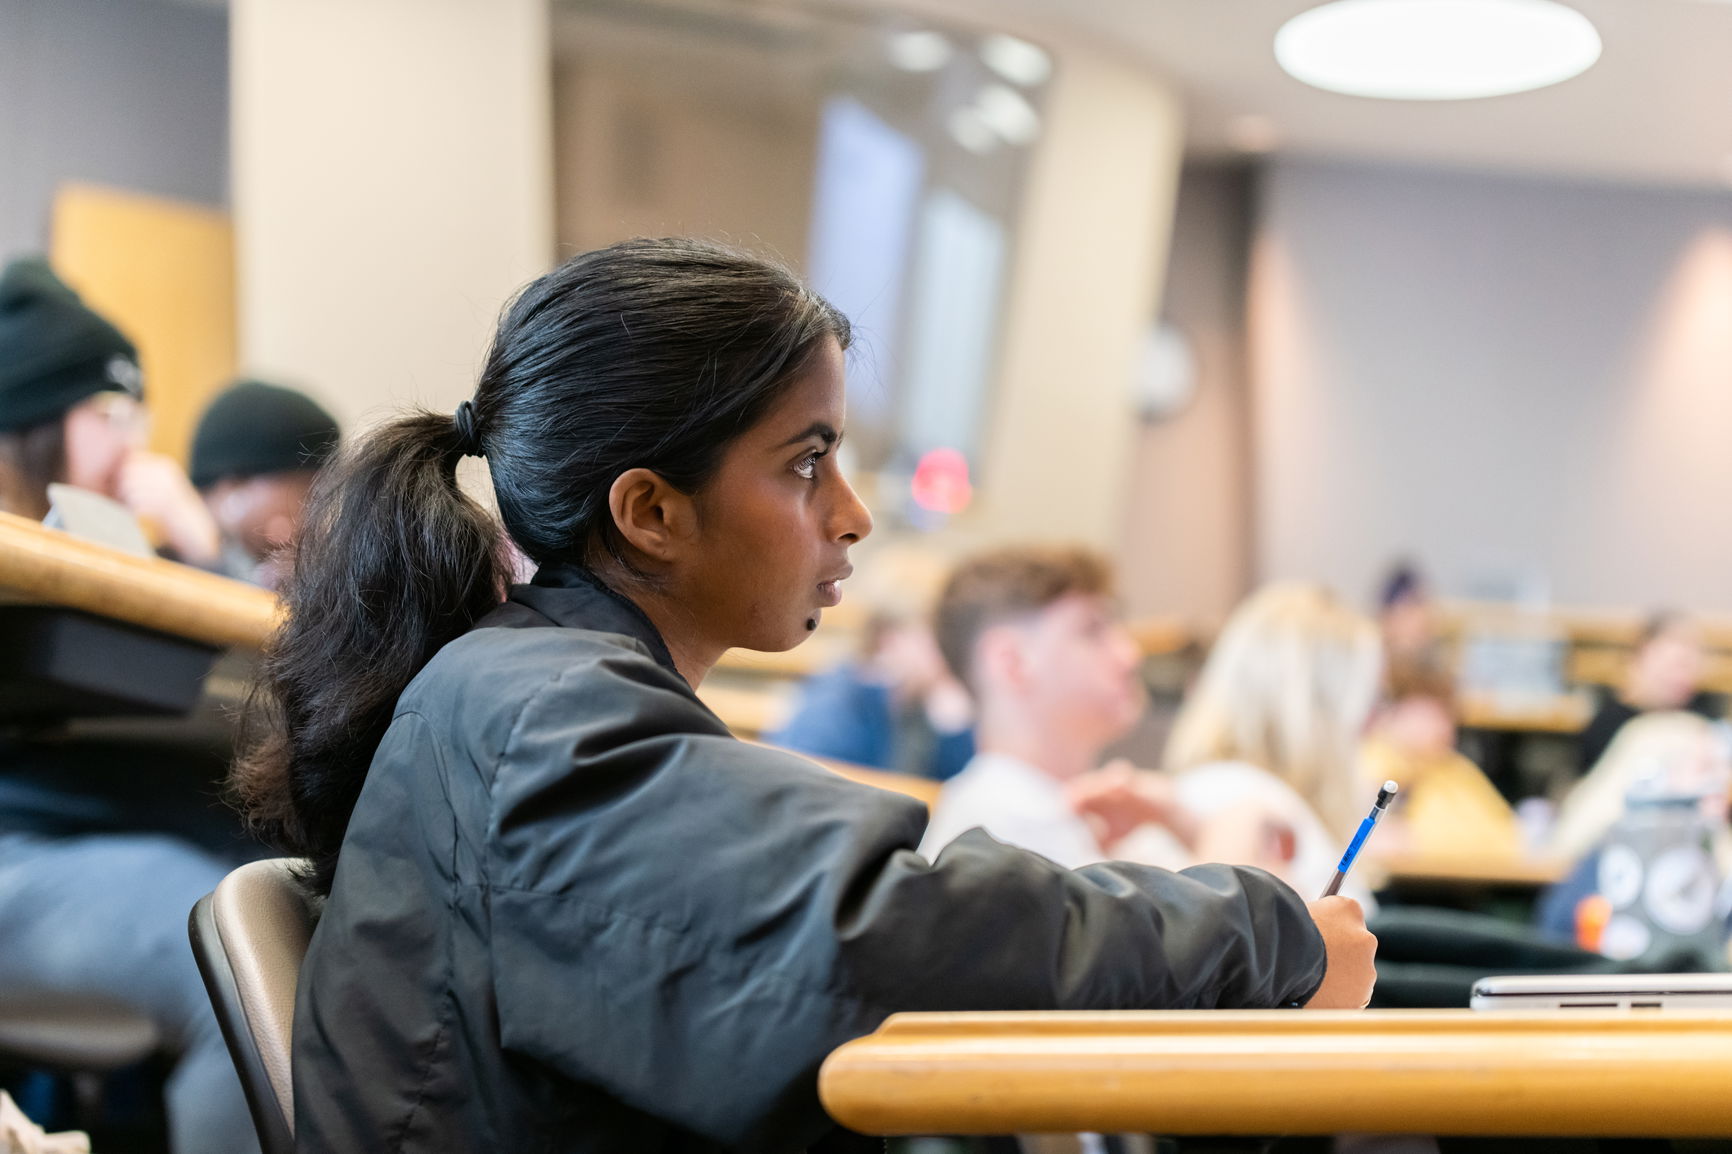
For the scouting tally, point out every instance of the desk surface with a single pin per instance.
(1449, 1072)
(1565, 713)
(1466, 870)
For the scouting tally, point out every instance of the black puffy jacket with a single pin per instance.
(573, 913)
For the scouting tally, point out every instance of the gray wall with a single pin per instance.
(1498, 376)
(128, 93)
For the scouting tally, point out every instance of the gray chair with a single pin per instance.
(250, 936)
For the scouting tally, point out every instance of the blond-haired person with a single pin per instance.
(1670, 753)
(1266, 744)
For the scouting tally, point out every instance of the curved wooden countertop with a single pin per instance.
(55, 568)
(46, 566)
(1453, 1072)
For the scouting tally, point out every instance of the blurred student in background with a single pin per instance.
(91, 902)
(1035, 635)
(1664, 674)
(255, 453)
(1676, 753)
(1446, 805)
(72, 413)
(1266, 744)
(1659, 794)
(1408, 620)
(896, 706)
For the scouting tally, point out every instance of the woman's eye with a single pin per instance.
(807, 469)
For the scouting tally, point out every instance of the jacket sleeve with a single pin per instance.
(692, 923)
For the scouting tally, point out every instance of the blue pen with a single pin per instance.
(1381, 807)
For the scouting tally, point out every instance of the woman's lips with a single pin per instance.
(830, 592)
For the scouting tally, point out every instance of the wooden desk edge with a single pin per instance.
(55, 568)
(1443, 1072)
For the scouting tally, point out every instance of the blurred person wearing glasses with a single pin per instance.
(72, 412)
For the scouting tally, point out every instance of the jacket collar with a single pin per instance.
(574, 598)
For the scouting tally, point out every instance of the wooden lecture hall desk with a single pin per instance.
(1446, 1072)
(47, 567)
(1464, 870)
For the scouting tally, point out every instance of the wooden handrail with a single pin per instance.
(55, 568)
(1452, 1072)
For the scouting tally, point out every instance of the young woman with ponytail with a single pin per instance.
(567, 910)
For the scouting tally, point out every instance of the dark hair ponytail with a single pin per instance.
(651, 354)
(394, 561)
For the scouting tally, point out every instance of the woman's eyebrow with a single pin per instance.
(818, 429)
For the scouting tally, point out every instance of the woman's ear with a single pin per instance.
(655, 518)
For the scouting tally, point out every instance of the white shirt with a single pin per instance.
(1015, 803)
(1208, 790)
(1021, 806)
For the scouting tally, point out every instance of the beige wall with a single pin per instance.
(1089, 247)
(392, 187)
(709, 151)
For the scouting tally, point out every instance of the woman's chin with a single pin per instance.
(806, 628)
(785, 638)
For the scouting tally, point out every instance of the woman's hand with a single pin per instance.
(1352, 952)
(155, 489)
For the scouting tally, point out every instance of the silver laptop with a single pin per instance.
(1604, 992)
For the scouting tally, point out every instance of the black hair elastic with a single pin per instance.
(469, 441)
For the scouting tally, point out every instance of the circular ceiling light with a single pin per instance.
(970, 129)
(919, 51)
(1016, 60)
(1008, 114)
(1436, 49)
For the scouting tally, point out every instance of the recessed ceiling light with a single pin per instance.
(1016, 60)
(970, 129)
(1436, 49)
(919, 51)
(1007, 113)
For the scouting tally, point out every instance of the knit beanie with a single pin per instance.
(54, 352)
(253, 429)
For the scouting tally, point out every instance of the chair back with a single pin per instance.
(250, 936)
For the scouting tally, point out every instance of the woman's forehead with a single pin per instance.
(817, 397)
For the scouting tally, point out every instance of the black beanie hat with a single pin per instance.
(253, 429)
(54, 352)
